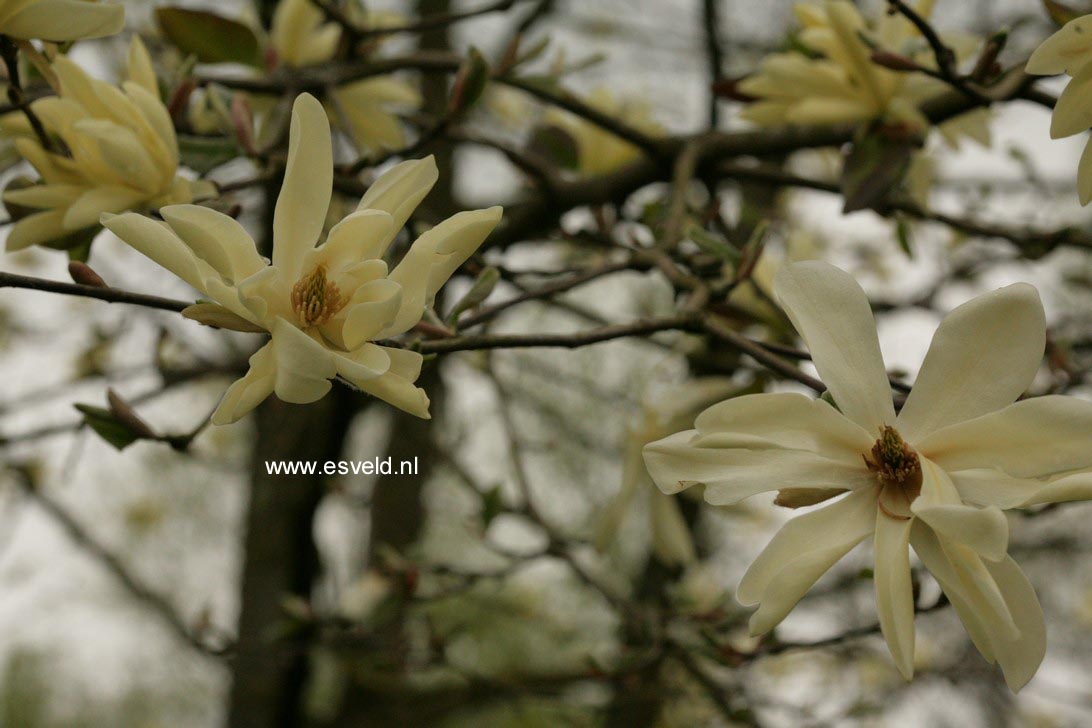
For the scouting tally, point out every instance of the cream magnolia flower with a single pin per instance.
(936, 476)
(661, 416)
(844, 85)
(322, 305)
(119, 153)
(59, 20)
(1069, 51)
(302, 37)
(599, 151)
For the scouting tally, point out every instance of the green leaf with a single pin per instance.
(873, 168)
(492, 505)
(752, 250)
(715, 245)
(903, 232)
(483, 285)
(107, 426)
(1060, 13)
(204, 154)
(211, 37)
(555, 145)
(470, 82)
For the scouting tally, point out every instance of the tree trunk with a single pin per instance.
(280, 556)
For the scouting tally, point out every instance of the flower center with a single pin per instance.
(316, 299)
(898, 470)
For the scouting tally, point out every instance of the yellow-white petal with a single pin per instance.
(216, 238)
(433, 258)
(732, 473)
(90, 206)
(250, 391)
(158, 242)
(1019, 647)
(1073, 111)
(1084, 174)
(1033, 438)
(308, 184)
(894, 590)
(41, 227)
(64, 20)
(992, 487)
(395, 386)
(790, 420)
(372, 308)
(982, 358)
(304, 366)
(1067, 51)
(671, 540)
(802, 551)
(983, 530)
(832, 314)
(139, 67)
(363, 235)
(399, 190)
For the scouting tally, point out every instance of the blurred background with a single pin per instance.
(429, 600)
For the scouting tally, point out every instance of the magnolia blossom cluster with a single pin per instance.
(841, 83)
(935, 477)
(301, 37)
(598, 151)
(118, 151)
(1069, 51)
(323, 305)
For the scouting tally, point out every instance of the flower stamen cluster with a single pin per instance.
(315, 298)
(898, 469)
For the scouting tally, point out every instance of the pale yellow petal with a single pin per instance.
(158, 242)
(304, 367)
(396, 385)
(1033, 438)
(833, 316)
(790, 420)
(894, 590)
(800, 553)
(90, 206)
(433, 258)
(64, 20)
(41, 227)
(399, 190)
(982, 358)
(1073, 111)
(1067, 51)
(216, 238)
(308, 184)
(250, 391)
(140, 69)
(732, 473)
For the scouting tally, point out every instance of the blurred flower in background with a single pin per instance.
(1069, 51)
(60, 20)
(301, 37)
(109, 151)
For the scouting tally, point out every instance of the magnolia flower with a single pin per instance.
(59, 20)
(936, 476)
(119, 153)
(322, 305)
(1069, 51)
(843, 84)
(598, 151)
(661, 416)
(301, 37)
